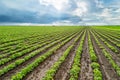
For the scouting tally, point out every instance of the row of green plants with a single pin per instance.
(51, 72)
(109, 57)
(108, 38)
(11, 41)
(30, 67)
(14, 56)
(94, 61)
(21, 48)
(112, 34)
(24, 47)
(112, 39)
(75, 69)
(8, 44)
(13, 33)
(109, 30)
(20, 44)
(111, 61)
(20, 61)
(14, 44)
(110, 46)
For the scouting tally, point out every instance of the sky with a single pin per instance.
(58, 12)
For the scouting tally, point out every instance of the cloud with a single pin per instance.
(59, 5)
(60, 12)
(105, 13)
(117, 10)
(99, 3)
(81, 9)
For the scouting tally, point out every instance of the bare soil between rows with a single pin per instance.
(115, 56)
(86, 72)
(39, 72)
(8, 75)
(64, 69)
(107, 70)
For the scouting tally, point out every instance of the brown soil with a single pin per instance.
(22, 56)
(107, 69)
(115, 57)
(63, 71)
(39, 72)
(14, 42)
(21, 49)
(26, 42)
(8, 75)
(86, 70)
(109, 42)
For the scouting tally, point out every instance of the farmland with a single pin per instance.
(59, 53)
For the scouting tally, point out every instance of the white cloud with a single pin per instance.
(96, 23)
(67, 11)
(63, 22)
(99, 3)
(109, 16)
(106, 13)
(81, 9)
(118, 10)
(58, 4)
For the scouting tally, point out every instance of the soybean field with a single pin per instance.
(59, 53)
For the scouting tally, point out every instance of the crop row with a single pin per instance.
(108, 44)
(112, 37)
(109, 57)
(107, 38)
(28, 68)
(51, 72)
(14, 56)
(20, 43)
(48, 40)
(26, 42)
(94, 61)
(11, 34)
(20, 61)
(23, 47)
(75, 69)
